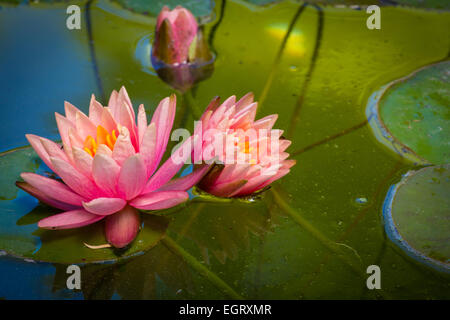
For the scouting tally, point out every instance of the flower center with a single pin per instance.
(103, 137)
(247, 149)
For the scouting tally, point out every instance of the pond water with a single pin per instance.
(312, 235)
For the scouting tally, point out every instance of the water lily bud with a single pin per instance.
(180, 54)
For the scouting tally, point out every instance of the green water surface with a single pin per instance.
(315, 232)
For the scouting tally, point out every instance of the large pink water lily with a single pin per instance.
(108, 167)
(252, 154)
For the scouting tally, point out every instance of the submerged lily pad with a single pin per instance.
(412, 115)
(20, 236)
(417, 215)
(12, 163)
(198, 8)
(222, 226)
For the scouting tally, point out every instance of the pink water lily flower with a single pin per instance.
(108, 167)
(251, 154)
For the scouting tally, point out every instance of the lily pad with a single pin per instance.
(20, 236)
(411, 115)
(416, 212)
(198, 8)
(215, 228)
(12, 163)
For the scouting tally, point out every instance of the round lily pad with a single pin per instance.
(412, 115)
(416, 214)
(20, 212)
(198, 8)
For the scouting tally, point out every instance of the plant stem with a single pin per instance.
(330, 245)
(200, 268)
(276, 62)
(189, 103)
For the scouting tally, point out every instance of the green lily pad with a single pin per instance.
(412, 115)
(417, 215)
(12, 163)
(222, 226)
(198, 8)
(20, 236)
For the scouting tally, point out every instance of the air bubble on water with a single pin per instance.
(361, 200)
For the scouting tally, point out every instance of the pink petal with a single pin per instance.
(95, 111)
(245, 117)
(75, 179)
(70, 111)
(45, 198)
(105, 150)
(148, 148)
(123, 147)
(186, 182)
(284, 144)
(218, 114)
(53, 189)
(251, 186)
(213, 105)
(35, 142)
(53, 149)
(133, 177)
(142, 124)
(287, 164)
(171, 166)
(281, 173)
(185, 27)
(84, 125)
(105, 172)
(123, 94)
(64, 125)
(69, 220)
(163, 14)
(108, 121)
(163, 119)
(75, 140)
(104, 206)
(83, 161)
(126, 116)
(226, 189)
(113, 103)
(245, 101)
(159, 200)
(122, 227)
(266, 122)
(232, 172)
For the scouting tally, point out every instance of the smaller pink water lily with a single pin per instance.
(180, 54)
(108, 167)
(251, 154)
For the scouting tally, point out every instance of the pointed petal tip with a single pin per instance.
(104, 206)
(69, 220)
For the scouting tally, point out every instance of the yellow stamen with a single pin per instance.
(109, 142)
(103, 137)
